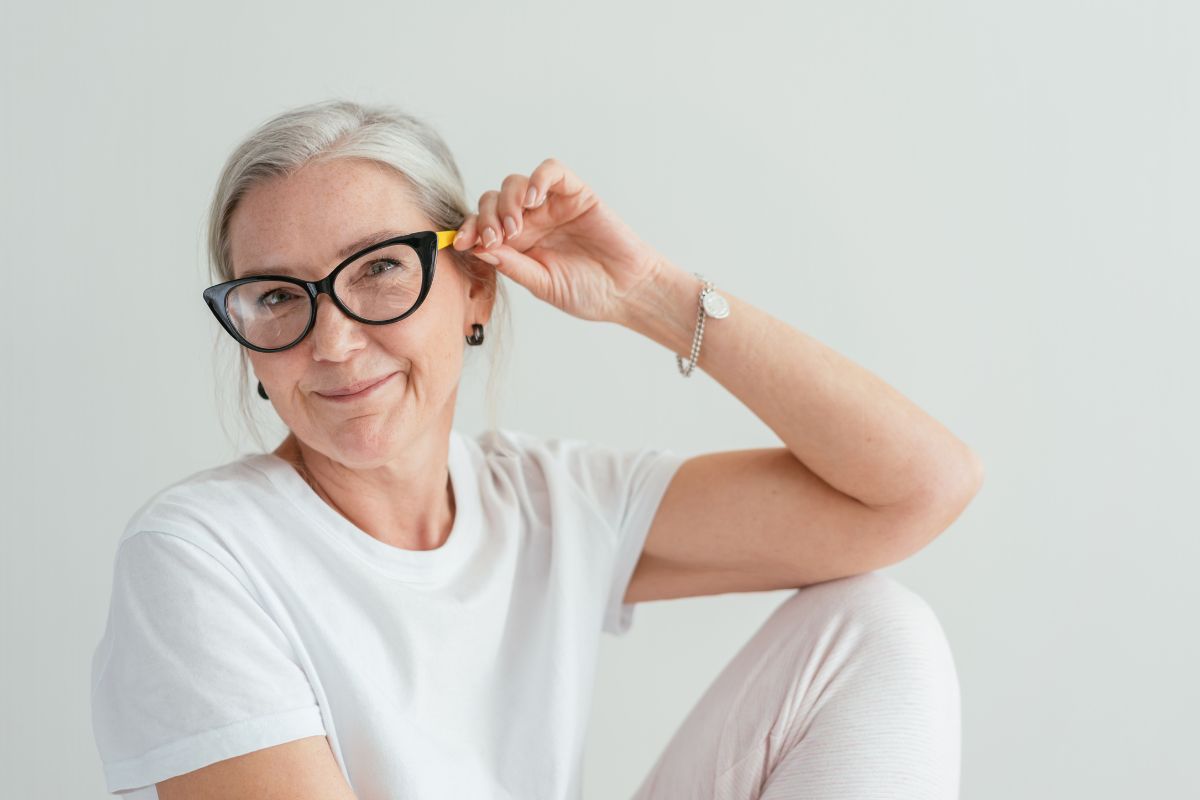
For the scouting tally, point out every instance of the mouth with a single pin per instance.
(356, 391)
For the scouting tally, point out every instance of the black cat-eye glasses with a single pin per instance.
(379, 285)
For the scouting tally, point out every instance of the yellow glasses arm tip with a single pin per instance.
(445, 238)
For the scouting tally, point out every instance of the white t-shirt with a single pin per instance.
(246, 612)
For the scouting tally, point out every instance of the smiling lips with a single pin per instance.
(356, 390)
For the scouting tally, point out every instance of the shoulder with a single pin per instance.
(196, 508)
(532, 449)
(603, 477)
(521, 469)
(568, 456)
(525, 457)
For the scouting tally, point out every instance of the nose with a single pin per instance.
(334, 335)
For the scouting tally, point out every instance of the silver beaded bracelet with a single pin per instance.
(710, 304)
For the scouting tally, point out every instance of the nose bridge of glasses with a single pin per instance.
(324, 299)
(333, 331)
(325, 286)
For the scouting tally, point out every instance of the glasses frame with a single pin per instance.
(426, 243)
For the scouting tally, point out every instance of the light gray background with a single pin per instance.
(992, 206)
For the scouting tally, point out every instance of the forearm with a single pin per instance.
(848, 426)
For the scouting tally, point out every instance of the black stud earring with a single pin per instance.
(476, 336)
(262, 392)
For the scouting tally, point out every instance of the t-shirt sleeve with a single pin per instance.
(625, 486)
(644, 475)
(191, 669)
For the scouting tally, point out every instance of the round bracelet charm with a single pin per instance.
(715, 305)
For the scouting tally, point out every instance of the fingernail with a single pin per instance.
(460, 238)
(510, 225)
(488, 257)
(530, 196)
(541, 200)
(489, 236)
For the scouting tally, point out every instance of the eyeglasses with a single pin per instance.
(379, 285)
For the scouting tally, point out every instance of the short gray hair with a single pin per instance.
(334, 129)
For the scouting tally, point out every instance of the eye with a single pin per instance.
(385, 261)
(283, 294)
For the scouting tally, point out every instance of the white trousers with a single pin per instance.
(848, 690)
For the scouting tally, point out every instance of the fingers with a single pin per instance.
(466, 233)
(552, 176)
(508, 204)
(501, 215)
(489, 230)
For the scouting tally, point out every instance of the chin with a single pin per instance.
(365, 441)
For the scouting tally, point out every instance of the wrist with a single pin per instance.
(665, 307)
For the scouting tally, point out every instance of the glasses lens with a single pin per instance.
(268, 314)
(381, 285)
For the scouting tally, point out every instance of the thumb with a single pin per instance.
(519, 267)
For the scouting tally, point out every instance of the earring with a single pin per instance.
(262, 392)
(476, 336)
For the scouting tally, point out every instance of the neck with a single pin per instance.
(410, 506)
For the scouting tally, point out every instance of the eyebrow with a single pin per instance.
(347, 251)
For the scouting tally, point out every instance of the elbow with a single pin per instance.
(969, 475)
(945, 496)
(956, 481)
(979, 471)
(961, 488)
(973, 473)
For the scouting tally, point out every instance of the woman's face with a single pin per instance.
(298, 226)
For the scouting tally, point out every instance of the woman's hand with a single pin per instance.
(550, 233)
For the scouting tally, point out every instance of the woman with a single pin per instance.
(385, 608)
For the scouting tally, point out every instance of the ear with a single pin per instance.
(481, 295)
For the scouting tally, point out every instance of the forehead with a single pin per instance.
(301, 224)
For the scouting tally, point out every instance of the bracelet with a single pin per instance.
(712, 305)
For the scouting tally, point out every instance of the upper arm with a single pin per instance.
(303, 769)
(191, 669)
(759, 519)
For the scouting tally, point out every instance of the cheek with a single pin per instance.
(286, 368)
(437, 356)
(429, 341)
(285, 372)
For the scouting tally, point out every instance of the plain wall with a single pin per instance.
(992, 206)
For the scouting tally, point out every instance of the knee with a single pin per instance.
(876, 669)
(877, 614)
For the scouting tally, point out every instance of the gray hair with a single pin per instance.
(335, 129)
